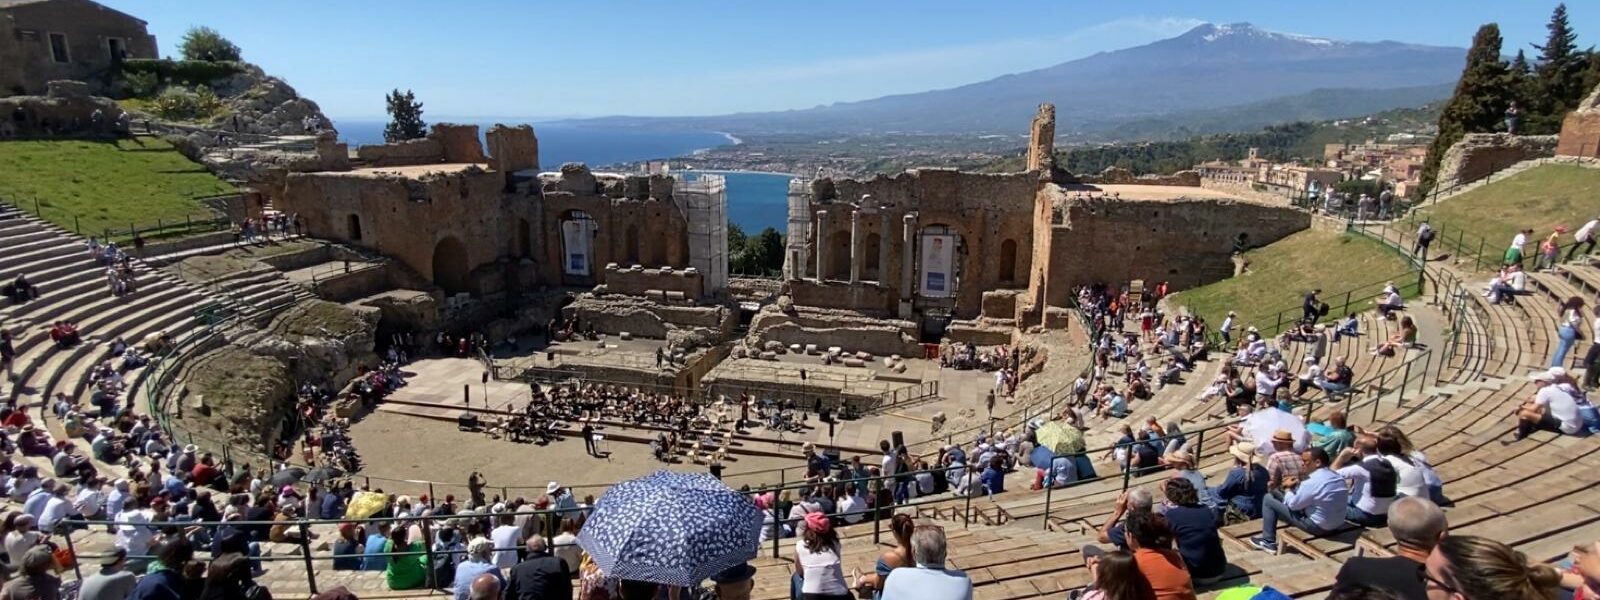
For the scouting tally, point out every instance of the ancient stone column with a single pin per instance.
(883, 247)
(855, 246)
(822, 245)
(908, 256)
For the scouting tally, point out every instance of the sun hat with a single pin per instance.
(552, 487)
(1180, 457)
(1244, 452)
(818, 522)
(1283, 435)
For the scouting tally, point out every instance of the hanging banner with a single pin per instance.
(938, 257)
(577, 236)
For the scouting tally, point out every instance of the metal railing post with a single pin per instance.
(966, 512)
(777, 524)
(305, 554)
(1049, 487)
(1127, 472)
(427, 548)
(76, 570)
(1401, 401)
(1481, 243)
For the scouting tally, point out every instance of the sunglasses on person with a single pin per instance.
(1429, 580)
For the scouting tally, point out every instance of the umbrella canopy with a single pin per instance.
(289, 476)
(1060, 438)
(671, 528)
(1040, 457)
(321, 474)
(1261, 424)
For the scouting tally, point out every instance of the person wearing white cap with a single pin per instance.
(1552, 408)
(560, 498)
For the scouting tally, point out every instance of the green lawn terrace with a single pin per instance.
(1476, 226)
(91, 186)
(1349, 269)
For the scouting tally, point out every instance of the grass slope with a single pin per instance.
(1280, 274)
(1539, 198)
(106, 184)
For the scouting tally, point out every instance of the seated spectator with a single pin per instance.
(929, 579)
(1349, 327)
(1505, 287)
(1337, 380)
(994, 477)
(900, 556)
(1150, 538)
(1405, 338)
(1182, 466)
(1308, 375)
(1417, 525)
(1245, 486)
(1475, 568)
(1284, 464)
(64, 334)
(1316, 505)
(1194, 525)
(1552, 408)
(1333, 435)
(1430, 478)
(1390, 302)
(1114, 531)
(408, 571)
(37, 581)
(1372, 482)
(479, 560)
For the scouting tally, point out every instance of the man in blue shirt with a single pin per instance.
(1316, 504)
(930, 580)
(477, 563)
(374, 559)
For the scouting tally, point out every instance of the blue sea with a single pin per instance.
(755, 200)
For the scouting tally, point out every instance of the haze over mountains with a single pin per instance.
(1211, 78)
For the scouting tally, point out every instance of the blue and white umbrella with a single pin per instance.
(671, 528)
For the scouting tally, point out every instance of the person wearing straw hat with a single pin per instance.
(1284, 463)
(1182, 465)
(1245, 485)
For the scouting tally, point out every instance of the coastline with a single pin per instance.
(732, 139)
(740, 172)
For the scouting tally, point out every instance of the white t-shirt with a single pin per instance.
(1562, 406)
(1409, 481)
(822, 572)
(134, 534)
(55, 509)
(18, 543)
(505, 536)
(850, 509)
(1587, 231)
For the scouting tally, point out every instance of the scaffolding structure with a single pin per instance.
(704, 199)
(797, 251)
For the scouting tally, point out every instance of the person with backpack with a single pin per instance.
(1425, 235)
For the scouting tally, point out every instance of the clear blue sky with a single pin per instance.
(503, 58)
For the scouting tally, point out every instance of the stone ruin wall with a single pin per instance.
(675, 284)
(1580, 131)
(67, 110)
(445, 143)
(408, 218)
(864, 298)
(639, 222)
(1479, 154)
(1119, 175)
(827, 328)
(1186, 242)
(984, 209)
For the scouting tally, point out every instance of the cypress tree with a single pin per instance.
(1478, 104)
(1560, 74)
(405, 118)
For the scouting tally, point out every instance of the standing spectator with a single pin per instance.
(1567, 330)
(930, 580)
(818, 561)
(1417, 525)
(1591, 374)
(1585, 236)
(1150, 539)
(1513, 117)
(1475, 568)
(36, 582)
(1514, 251)
(1425, 234)
(1311, 309)
(566, 545)
(112, 582)
(505, 537)
(542, 576)
(1316, 505)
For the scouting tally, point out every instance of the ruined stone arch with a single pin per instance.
(451, 271)
(1008, 261)
(352, 226)
(630, 244)
(872, 267)
(838, 255)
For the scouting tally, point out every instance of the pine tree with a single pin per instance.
(1561, 73)
(405, 118)
(1478, 104)
(1521, 81)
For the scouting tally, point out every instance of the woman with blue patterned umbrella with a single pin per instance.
(671, 528)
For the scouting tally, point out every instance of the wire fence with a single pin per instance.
(161, 228)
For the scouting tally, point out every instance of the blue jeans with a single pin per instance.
(1274, 510)
(1568, 335)
(1364, 518)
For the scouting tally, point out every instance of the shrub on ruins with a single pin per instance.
(185, 104)
(405, 118)
(142, 85)
(180, 72)
(204, 43)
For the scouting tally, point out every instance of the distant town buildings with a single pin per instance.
(1396, 165)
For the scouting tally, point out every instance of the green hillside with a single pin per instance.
(1540, 198)
(1281, 273)
(96, 185)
